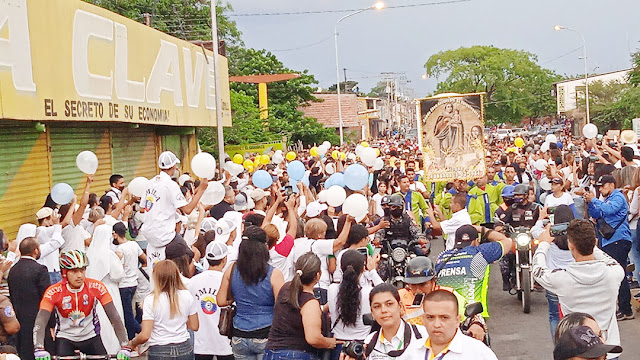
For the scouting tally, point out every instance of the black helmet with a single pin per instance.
(521, 189)
(396, 200)
(385, 200)
(419, 270)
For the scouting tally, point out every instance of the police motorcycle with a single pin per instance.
(525, 248)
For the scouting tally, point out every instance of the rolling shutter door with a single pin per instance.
(24, 174)
(134, 152)
(67, 141)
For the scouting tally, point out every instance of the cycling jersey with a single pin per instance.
(76, 316)
(467, 271)
(414, 315)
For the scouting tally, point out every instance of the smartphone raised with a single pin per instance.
(417, 301)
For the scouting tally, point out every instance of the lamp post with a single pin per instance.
(216, 70)
(586, 71)
(377, 6)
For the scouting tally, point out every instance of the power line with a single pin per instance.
(561, 56)
(304, 46)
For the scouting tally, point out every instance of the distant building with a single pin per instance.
(568, 91)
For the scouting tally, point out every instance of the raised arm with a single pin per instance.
(195, 200)
(84, 201)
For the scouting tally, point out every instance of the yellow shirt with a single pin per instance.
(432, 354)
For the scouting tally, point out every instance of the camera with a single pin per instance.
(354, 349)
(559, 229)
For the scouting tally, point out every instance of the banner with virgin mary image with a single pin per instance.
(452, 136)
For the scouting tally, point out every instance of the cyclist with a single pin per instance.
(74, 300)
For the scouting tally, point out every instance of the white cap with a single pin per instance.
(216, 250)
(258, 194)
(243, 202)
(183, 178)
(315, 208)
(223, 229)
(208, 224)
(167, 160)
(44, 213)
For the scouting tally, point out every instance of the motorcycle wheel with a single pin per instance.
(526, 291)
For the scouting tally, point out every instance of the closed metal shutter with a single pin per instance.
(24, 174)
(134, 151)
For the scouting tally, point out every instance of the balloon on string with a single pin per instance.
(247, 163)
(326, 144)
(590, 131)
(214, 193)
(330, 168)
(351, 156)
(138, 186)
(313, 151)
(291, 156)
(519, 142)
(277, 158)
(335, 154)
(359, 150)
(336, 196)
(336, 179)
(238, 158)
(62, 193)
(265, 159)
(204, 165)
(364, 144)
(377, 151)
(262, 179)
(250, 168)
(378, 164)
(356, 177)
(551, 138)
(343, 156)
(322, 196)
(540, 164)
(368, 156)
(322, 149)
(87, 162)
(355, 205)
(545, 184)
(544, 147)
(296, 170)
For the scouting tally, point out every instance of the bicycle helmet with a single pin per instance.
(74, 259)
(507, 192)
(396, 200)
(419, 270)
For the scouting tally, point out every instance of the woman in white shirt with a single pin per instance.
(168, 312)
(559, 196)
(376, 206)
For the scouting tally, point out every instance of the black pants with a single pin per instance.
(619, 250)
(91, 346)
(214, 357)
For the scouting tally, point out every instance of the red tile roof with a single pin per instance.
(326, 111)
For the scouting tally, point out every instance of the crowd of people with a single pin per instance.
(299, 278)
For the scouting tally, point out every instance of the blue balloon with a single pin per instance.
(62, 193)
(356, 177)
(262, 179)
(296, 170)
(335, 179)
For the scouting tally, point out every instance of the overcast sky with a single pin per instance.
(402, 39)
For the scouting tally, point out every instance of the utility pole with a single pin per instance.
(345, 79)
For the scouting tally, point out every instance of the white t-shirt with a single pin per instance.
(207, 340)
(74, 237)
(377, 198)
(552, 201)
(167, 330)
(414, 351)
(161, 200)
(369, 278)
(340, 331)
(618, 165)
(50, 239)
(450, 226)
(322, 248)
(418, 186)
(130, 252)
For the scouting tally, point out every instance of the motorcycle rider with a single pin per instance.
(521, 213)
(401, 226)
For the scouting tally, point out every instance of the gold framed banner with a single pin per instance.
(451, 129)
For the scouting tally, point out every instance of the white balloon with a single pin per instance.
(352, 156)
(327, 144)
(369, 156)
(378, 164)
(323, 195)
(590, 131)
(238, 169)
(544, 147)
(204, 165)
(356, 205)
(541, 164)
(551, 138)
(545, 184)
(138, 186)
(277, 158)
(336, 195)
(233, 168)
(214, 194)
(330, 168)
(322, 149)
(359, 150)
(87, 162)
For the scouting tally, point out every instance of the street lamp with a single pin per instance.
(377, 6)
(584, 57)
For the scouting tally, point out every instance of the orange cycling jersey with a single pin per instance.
(76, 308)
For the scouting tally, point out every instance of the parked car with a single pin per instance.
(502, 134)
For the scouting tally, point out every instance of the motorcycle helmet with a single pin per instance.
(385, 200)
(396, 200)
(74, 259)
(521, 189)
(419, 270)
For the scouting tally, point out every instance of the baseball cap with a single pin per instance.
(183, 178)
(557, 180)
(44, 213)
(167, 160)
(208, 224)
(258, 194)
(216, 250)
(223, 229)
(241, 203)
(315, 208)
(581, 341)
(465, 235)
(605, 179)
(177, 248)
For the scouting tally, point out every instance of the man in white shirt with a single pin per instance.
(161, 201)
(117, 185)
(460, 216)
(49, 235)
(260, 199)
(207, 340)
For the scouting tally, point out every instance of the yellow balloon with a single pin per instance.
(291, 156)
(377, 152)
(248, 163)
(519, 142)
(364, 144)
(343, 156)
(237, 158)
(265, 159)
(250, 168)
(335, 154)
(256, 162)
(313, 151)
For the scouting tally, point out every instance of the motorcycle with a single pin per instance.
(525, 248)
(470, 311)
(394, 257)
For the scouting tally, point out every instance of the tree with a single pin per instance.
(618, 115)
(634, 76)
(348, 86)
(380, 90)
(515, 85)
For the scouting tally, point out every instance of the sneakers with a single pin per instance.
(622, 317)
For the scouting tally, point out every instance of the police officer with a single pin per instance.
(401, 225)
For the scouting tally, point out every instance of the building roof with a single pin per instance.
(326, 111)
(593, 77)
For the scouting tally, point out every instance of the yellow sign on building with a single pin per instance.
(68, 60)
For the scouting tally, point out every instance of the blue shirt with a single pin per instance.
(612, 210)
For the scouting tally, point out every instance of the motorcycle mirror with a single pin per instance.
(472, 309)
(498, 222)
(368, 319)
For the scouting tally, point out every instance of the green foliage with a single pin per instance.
(379, 91)
(634, 76)
(515, 85)
(349, 86)
(618, 114)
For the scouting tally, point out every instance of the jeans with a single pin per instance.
(634, 254)
(619, 250)
(214, 357)
(289, 355)
(55, 277)
(335, 352)
(181, 351)
(247, 348)
(554, 312)
(130, 322)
